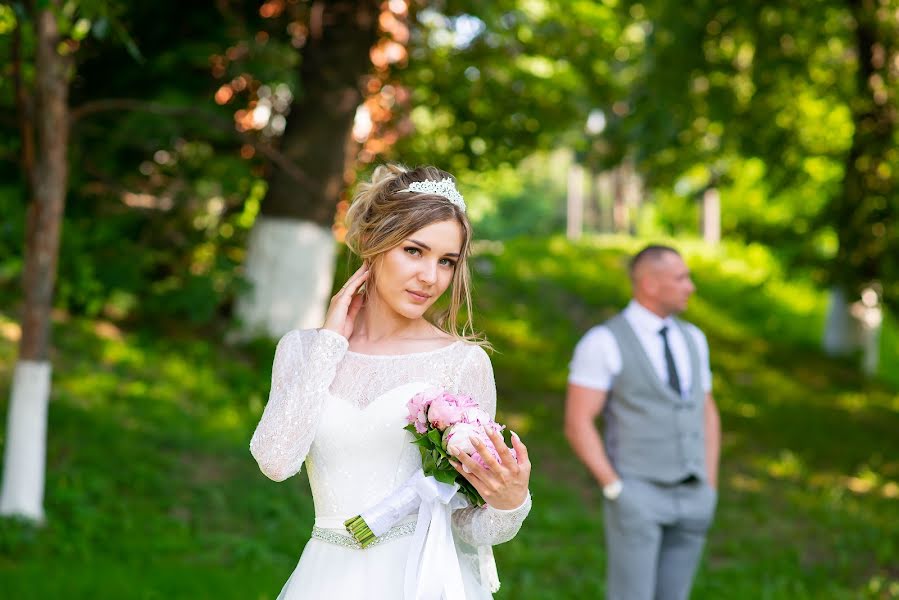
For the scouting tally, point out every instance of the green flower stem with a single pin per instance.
(360, 531)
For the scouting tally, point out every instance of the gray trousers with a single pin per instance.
(654, 538)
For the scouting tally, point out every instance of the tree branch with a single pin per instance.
(278, 158)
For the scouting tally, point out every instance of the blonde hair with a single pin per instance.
(380, 218)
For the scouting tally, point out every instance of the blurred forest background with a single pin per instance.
(162, 149)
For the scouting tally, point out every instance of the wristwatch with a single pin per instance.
(613, 490)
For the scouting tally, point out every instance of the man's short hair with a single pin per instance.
(653, 252)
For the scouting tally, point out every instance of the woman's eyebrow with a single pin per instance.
(428, 248)
(425, 246)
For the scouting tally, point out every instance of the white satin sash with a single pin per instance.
(432, 569)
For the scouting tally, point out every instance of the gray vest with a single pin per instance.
(650, 432)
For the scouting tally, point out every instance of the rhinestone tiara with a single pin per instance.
(445, 187)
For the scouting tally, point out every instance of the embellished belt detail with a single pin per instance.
(334, 536)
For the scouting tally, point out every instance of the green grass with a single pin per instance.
(151, 492)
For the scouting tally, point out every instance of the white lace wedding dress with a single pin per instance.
(343, 413)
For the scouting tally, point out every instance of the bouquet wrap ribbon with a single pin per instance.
(390, 511)
(432, 568)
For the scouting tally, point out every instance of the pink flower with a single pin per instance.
(447, 409)
(460, 438)
(476, 416)
(418, 410)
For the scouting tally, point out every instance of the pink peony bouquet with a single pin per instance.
(442, 423)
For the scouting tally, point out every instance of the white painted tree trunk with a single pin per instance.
(26, 442)
(868, 314)
(290, 264)
(855, 326)
(575, 201)
(870, 344)
(711, 216)
(840, 332)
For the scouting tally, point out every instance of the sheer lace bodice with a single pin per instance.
(361, 378)
(343, 414)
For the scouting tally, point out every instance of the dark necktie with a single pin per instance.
(673, 379)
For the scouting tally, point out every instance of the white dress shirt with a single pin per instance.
(597, 358)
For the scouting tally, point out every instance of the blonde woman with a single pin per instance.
(339, 393)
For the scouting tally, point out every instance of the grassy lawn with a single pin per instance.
(151, 492)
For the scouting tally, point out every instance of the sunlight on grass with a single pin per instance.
(745, 483)
(785, 466)
(852, 401)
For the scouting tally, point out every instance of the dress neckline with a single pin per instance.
(406, 355)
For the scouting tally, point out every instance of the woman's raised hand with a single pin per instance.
(346, 303)
(503, 483)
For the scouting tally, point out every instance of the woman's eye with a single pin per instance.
(447, 262)
(413, 251)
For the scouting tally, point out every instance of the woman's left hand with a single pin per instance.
(503, 484)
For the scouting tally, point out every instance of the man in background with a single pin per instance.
(646, 373)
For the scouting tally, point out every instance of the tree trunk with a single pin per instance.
(634, 195)
(26, 439)
(291, 254)
(620, 216)
(606, 190)
(591, 202)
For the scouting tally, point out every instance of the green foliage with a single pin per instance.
(800, 90)
(179, 258)
(527, 199)
(493, 82)
(160, 200)
(729, 82)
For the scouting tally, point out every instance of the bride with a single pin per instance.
(339, 393)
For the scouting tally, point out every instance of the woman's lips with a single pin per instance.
(418, 296)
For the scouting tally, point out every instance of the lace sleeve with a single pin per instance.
(304, 367)
(475, 379)
(485, 526)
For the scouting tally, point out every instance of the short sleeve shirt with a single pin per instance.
(597, 358)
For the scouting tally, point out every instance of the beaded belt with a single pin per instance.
(334, 536)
